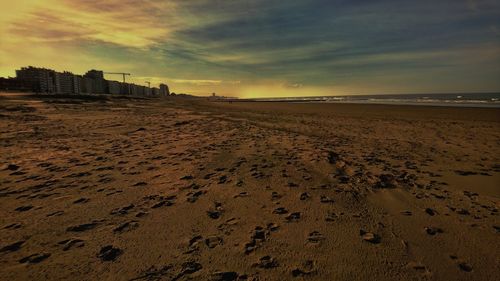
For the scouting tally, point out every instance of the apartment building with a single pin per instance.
(39, 80)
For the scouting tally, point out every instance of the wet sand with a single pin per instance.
(123, 189)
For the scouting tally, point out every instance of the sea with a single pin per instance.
(459, 100)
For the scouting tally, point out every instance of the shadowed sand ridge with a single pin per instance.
(119, 189)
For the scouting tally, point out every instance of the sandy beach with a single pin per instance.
(179, 189)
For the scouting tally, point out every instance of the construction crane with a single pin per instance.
(121, 73)
(149, 84)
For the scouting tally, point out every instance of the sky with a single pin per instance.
(263, 48)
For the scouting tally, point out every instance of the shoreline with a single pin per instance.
(368, 110)
(489, 99)
(413, 103)
(270, 100)
(473, 105)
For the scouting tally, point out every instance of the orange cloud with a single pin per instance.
(51, 32)
(118, 22)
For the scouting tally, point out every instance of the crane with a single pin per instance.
(149, 84)
(121, 73)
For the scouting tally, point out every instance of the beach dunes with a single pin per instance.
(119, 189)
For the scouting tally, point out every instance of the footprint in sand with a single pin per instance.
(193, 196)
(12, 167)
(430, 212)
(266, 262)
(293, 217)
(259, 233)
(81, 200)
(241, 195)
(280, 211)
(227, 276)
(165, 201)
(433, 230)
(194, 244)
(12, 247)
(419, 267)
(331, 216)
(24, 208)
(307, 268)
(228, 226)
(214, 214)
(465, 267)
(109, 253)
(154, 273)
(82, 227)
(127, 226)
(56, 213)
(326, 199)
(305, 196)
(406, 213)
(35, 258)
(122, 210)
(213, 241)
(208, 176)
(217, 213)
(68, 244)
(188, 267)
(222, 179)
(258, 236)
(370, 237)
(13, 226)
(272, 227)
(462, 265)
(315, 237)
(275, 196)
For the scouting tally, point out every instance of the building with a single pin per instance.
(13, 84)
(38, 80)
(87, 85)
(114, 87)
(142, 90)
(98, 84)
(133, 89)
(77, 84)
(64, 83)
(126, 88)
(43, 80)
(95, 74)
(164, 91)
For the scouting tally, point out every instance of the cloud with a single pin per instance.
(228, 46)
(119, 22)
(197, 82)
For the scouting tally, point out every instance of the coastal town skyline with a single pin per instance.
(263, 48)
(48, 81)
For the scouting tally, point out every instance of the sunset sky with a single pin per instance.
(263, 48)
